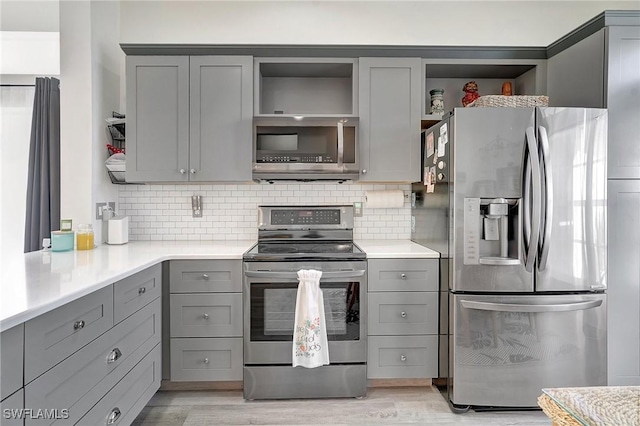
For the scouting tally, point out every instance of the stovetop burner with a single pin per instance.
(342, 250)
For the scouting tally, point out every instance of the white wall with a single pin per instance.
(90, 66)
(436, 22)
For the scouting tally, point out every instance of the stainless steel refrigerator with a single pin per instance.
(515, 200)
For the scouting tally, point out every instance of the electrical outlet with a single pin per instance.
(100, 206)
(357, 209)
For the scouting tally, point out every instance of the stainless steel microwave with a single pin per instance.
(305, 148)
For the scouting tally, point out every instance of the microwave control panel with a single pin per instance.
(294, 158)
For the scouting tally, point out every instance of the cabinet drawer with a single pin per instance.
(402, 357)
(51, 337)
(204, 276)
(11, 342)
(136, 291)
(403, 313)
(206, 315)
(84, 378)
(126, 399)
(14, 402)
(403, 275)
(206, 359)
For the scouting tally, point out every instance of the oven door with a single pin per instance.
(270, 290)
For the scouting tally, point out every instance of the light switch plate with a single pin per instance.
(357, 209)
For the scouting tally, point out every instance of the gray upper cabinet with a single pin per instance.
(189, 119)
(390, 112)
(157, 118)
(602, 71)
(623, 101)
(221, 118)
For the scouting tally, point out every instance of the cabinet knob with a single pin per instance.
(403, 314)
(403, 358)
(364, 171)
(182, 171)
(205, 316)
(113, 356)
(206, 360)
(142, 290)
(205, 277)
(113, 416)
(192, 171)
(403, 276)
(78, 325)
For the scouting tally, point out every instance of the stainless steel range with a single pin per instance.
(290, 239)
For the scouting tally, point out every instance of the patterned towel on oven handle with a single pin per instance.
(310, 344)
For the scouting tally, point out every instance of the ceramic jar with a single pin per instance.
(437, 101)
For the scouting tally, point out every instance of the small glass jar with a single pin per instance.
(437, 101)
(84, 237)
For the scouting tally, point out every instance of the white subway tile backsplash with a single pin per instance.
(163, 212)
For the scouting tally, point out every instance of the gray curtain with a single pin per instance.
(43, 183)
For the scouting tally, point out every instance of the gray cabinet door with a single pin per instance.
(52, 337)
(10, 409)
(623, 101)
(390, 97)
(221, 118)
(11, 360)
(624, 283)
(157, 118)
(219, 359)
(205, 276)
(402, 357)
(132, 293)
(206, 315)
(576, 75)
(403, 275)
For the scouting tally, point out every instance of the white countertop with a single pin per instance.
(395, 249)
(38, 282)
(35, 283)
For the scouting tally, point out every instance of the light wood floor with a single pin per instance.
(382, 406)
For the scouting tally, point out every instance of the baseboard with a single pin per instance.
(185, 386)
(391, 383)
(237, 385)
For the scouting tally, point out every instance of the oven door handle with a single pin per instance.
(294, 274)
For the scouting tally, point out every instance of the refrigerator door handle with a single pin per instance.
(547, 211)
(532, 148)
(517, 307)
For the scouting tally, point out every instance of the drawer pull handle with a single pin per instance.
(205, 316)
(78, 325)
(142, 290)
(403, 314)
(182, 171)
(114, 356)
(403, 276)
(403, 358)
(206, 360)
(113, 416)
(205, 277)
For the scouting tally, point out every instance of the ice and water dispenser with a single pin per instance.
(492, 231)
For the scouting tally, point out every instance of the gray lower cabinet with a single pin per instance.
(189, 118)
(11, 409)
(390, 111)
(624, 283)
(122, 404)
(206, 359)
(77, 361)
(205, 320)
(55, 335)
(11, 360)
(136, 291)
(402, 319)
(87, 375)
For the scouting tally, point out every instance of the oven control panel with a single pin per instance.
(305, 217)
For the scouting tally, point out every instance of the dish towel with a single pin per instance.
(310, 344)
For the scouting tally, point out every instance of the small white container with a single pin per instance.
(118, 230)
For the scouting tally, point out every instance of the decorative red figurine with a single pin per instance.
(470, 93)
